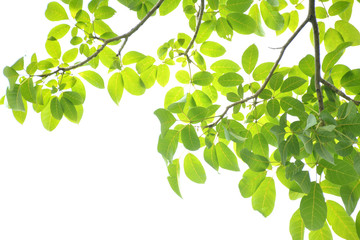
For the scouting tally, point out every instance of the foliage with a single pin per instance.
(300, 121)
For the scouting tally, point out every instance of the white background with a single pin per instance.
(103, 178)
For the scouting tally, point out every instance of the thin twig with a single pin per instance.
(338, 91)
(257, 93)
(106, 42)
(122, 47)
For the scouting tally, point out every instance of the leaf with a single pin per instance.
(205, 30)
(20, 116)
(350, 195)
(93, 78)
(75, 6)
(342, 224)
(310, 122)
(313, 208)
(197, 114)
(56, 109)
(272, 18)
(28, 91)
(202, 78)
(226, 157)
(242, 23)
(116, 87)
(201, 99)
(53, 49)
(48, 120)
(173, 179)
(211, 158)
(238, 5)
(14, 98)
(254, 12)
(348, 32)
(212, 49)
(273, 108)
(173, 95)
(132, 57)
(193, 169)
(214, 4)
(168, 6)
(132, 82)
(230, 79)
(322, 234)
(163, 74)
(11, 75)
(70, 55)
(350, 81)
(104, 12)
(292, 83)
(59, 31)
(294, 20)
(223, 28)
(69, 109)
(332, 57)
(166, 119)
(307, 65)
(297, 227)
(262, 71)
(182, 76)
(55, 12)
(341, 173)
(338, 7)
(250, 58)
(257, 163)
(263, 200)
(224, 66)
(190, 138)
(250, 182)
(167, 144)
(323, 152)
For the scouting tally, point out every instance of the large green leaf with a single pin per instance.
(132, 57)
(190, 138)
(28, 91)
(350, 81)
(104, 12)
(272, 18)
(350, 195)
(332, 57)
(250, 182)
(263, 200)
(205, 30)
(341, 223)
(132, 82)
(257, 163)
(197, 114)
(53, 48)
(226, 157)
(167, 144)
(297, 227)
(168, 6)
(116, 87)
(56, 108)
(193, 169)
(249, 58)
(230, 79)
(349, 32)
(75, 6)
(260, 145)
(313, 208)
(202, 78)
(166, 119)
(55, 12)
(173, 95)
(242, 23)
(225, 66)
(212, 49)
(341, 173)
(238, 5)
(48, 120)
(292, 83)
(59, 31)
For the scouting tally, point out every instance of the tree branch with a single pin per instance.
(315, 26)
(257, 93)
(338, 91)
(106, 42)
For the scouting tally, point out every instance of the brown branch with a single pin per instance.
(201, 13)
(312, 19)
(338, 91)
(257, 93)
(106, 42)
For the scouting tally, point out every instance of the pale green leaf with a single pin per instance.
(193, 169)
(249, 58)
(132, 82)
(226, 157)
(189, 138)
(93, 78)
(55, 12)
(263, 200)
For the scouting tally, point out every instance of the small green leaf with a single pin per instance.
(331, 58)
(224, 66)
(348, 32)
(93, 78)
(116, 87)
(70, 55)
(250, 182)
(294, 20)
(28, 91)
(189, 138)
(163, 74)
(249, 58)
(53, 49)
(310, 122)
(257, 163)
(205, 30)
(307, 65)
(292, 83)
(226, 157)
(272, 18)
(297, 227)
(14, 98)
(332, 39)
(132, 57)
(173, 95)
(263, 200)
(322, 234)
(132, 82)
(211, 158)
(323, 152)
(273, 108)
(230, 79)
(59, 31)
(173, 179)
(73, 97)
(212, 49)
(202, 78)
(166, 119)
(262, 71)
(69, 110)
(55, 12)
(48, 120)
(242, 23)
(56, 109)
(168, 6)
(167, 144)
(104, 12)
(182, 76)
(193, 169)
(197, 114)
(313, 208)
(338, 7)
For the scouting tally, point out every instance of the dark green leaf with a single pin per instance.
(257, 163)
(190, 138)
(249, 58)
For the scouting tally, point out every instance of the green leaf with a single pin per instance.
(93, 78)
(254, 12)
(230, 79)
(168, 6)
(332, 57)
(348, 32)
(238, 5)
(107, 57)
(53, 49)
(310, 122)
(75, 6)
(116, 87)
(323, 152)
(202, 78)
(338, 7)
(28, 91)
(332, 39)
(350, 195)
(132, 57)
(182, 76)
(56, 109)
(73, 97)
(226, 157)
(249, 58)
(292, 83)
(167, 144)
(330, 188)
(212, 49)
(132, 82)
(273, 108)
(173, 95)
(294, 20)
(55, 12)
(307, 65)
(322, 234)
(173, 179)
(104, 12)
(262, 71)
(14, 98)
(190, 138)
(11, 75)
(148, 77)
(59, 31)
(69, 109)
(20, 116)
(211, 158)
(341, 173)
(263, 200)
(197, 114)
(205, 30)
(358, 223)
(297, 227)
(18, 65)
(350, 81)
(272, 18)
(260, 145)
(178, 107)
(166, 119)
(342, 224)
(193, 169)
(276, 80)
(293, 107)
(70, 55)
(224, 29)
(250, 182)
(313, 208)
(257, 163)
(163, 74)
(48, 120)
(214, 4)
(242, 23)
(224, 66)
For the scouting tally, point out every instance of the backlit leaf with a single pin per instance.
(212, 49)
(193, 169)
(263, 200)
(224, 66)
(242, 23)
(132, 82)
(292, 83)
(93, 78)
(55, 12)
(190, 138)
(297, 227)
(116, 87)
(249, 58)
(250, 182)
(226, 157)
(255, 162)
